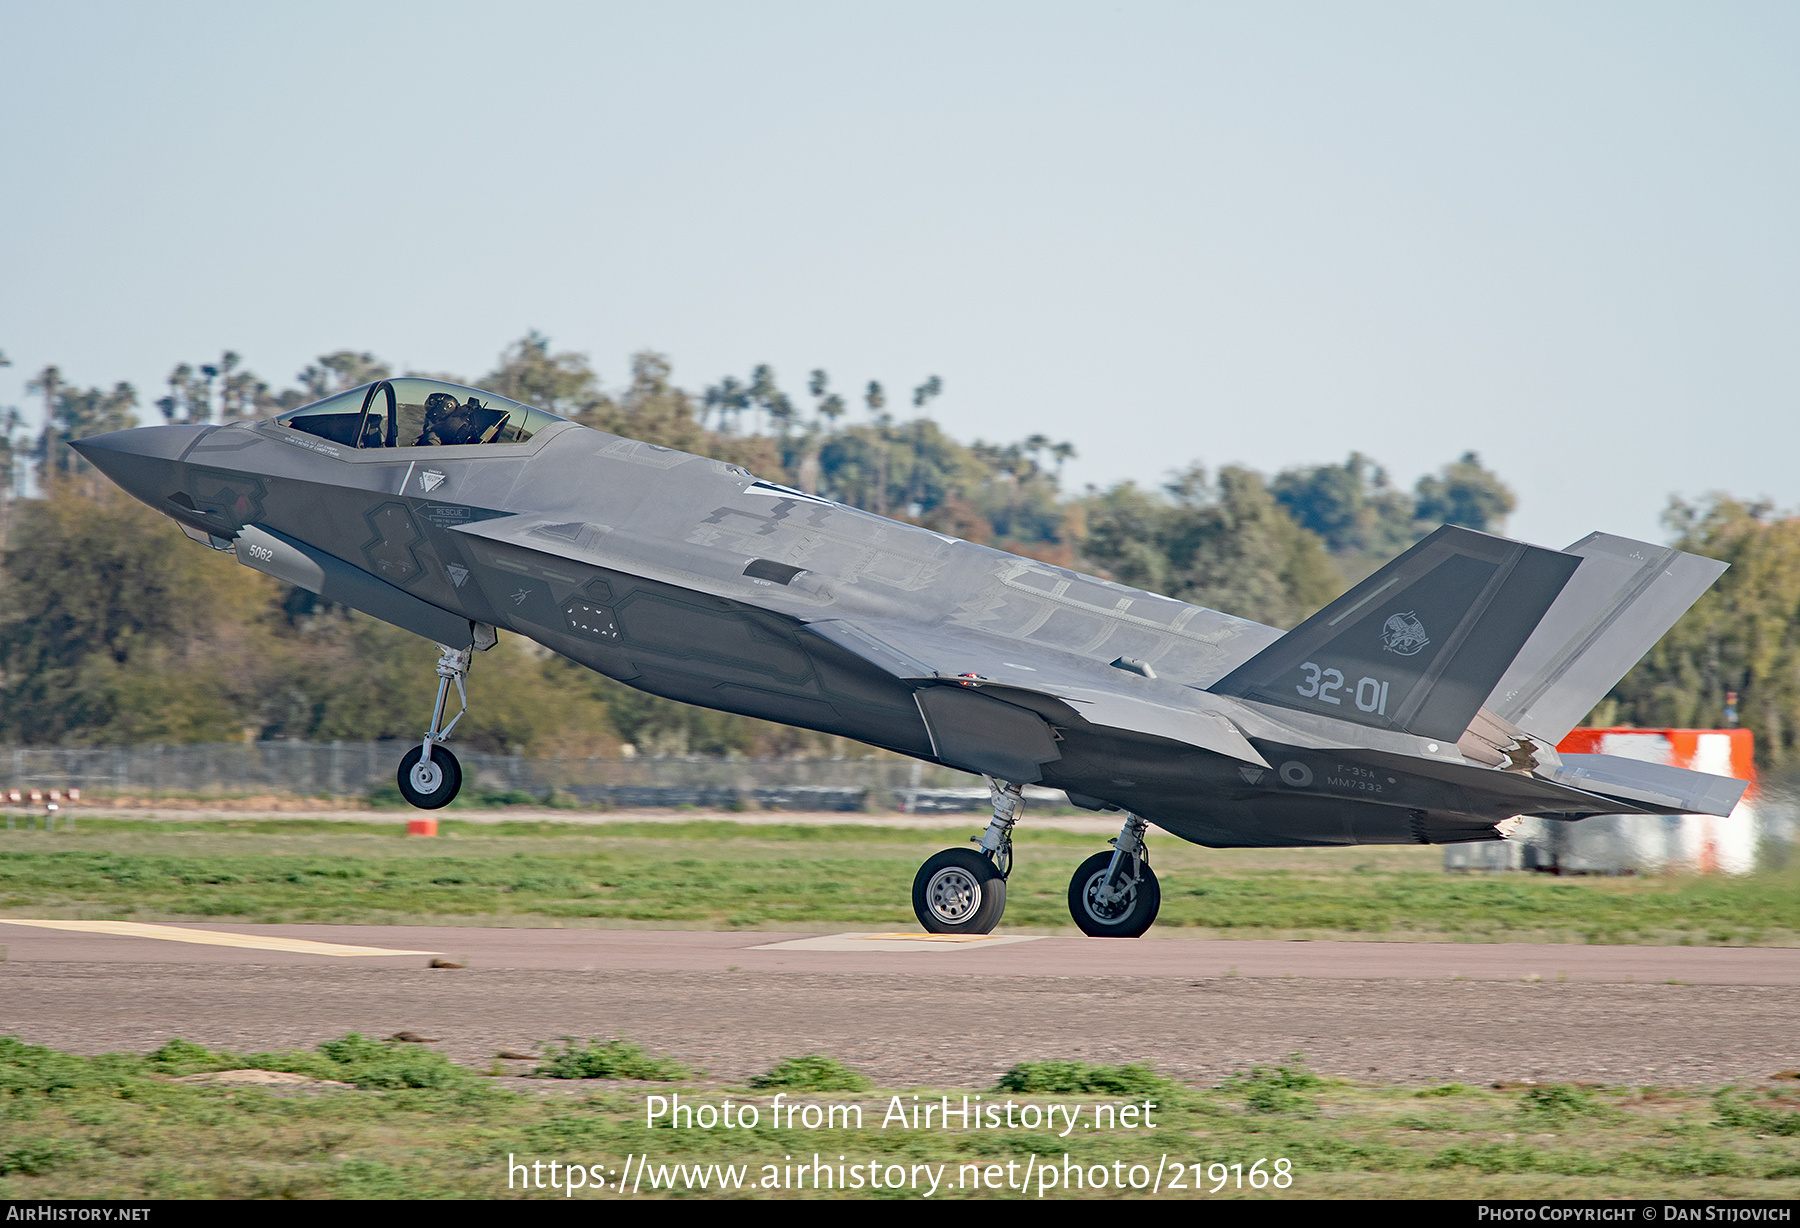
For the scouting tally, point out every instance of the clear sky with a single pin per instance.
(1566, 236)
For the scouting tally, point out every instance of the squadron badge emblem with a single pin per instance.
(1403, 634)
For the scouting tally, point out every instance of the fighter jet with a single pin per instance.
(1423, 706)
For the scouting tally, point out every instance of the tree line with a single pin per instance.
(114, 629)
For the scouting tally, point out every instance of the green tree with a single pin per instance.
(341, 369)
(72, 413)
(105, 597)
(1743, 634)
(564, 384)
(1464, 494)
(119, 629)
(1127, 528)
(1225, 544)
(830, 405)
(766, 395)
(1352, 507)
(651, 408)
(12, 440)
(12, 437)
(728, 398)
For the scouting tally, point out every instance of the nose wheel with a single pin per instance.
(430, 776)
(430, 783)
(1116, 895)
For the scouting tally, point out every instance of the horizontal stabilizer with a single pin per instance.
(1652, 786)
(1622, 599)
(1418, 645)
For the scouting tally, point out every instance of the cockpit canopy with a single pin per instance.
(417, 413)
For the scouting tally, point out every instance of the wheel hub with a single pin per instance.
(953, 895)
(1109, 906)
(427, 777)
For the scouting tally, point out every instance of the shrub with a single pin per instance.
(373, 1064)
(1739, 1111)
(1275, 1089)
(183, 1057)
(1083, 1077)
(612, 1059)
(813, 1073)
(1558, 1102)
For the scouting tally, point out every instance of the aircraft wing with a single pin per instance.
(819, 562)
(1067, 691)
(1039, 635)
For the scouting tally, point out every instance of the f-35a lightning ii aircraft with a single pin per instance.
(1423, 706)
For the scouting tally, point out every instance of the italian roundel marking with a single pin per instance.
(1403, 634)
(1296, 774)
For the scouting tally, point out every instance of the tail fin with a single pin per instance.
(1623, 598)
(1418, 645)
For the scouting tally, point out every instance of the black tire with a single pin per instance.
(430, 790)
(959, 891)
(1126, 918)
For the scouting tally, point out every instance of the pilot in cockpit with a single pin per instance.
(446, 422)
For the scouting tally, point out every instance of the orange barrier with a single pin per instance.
(1701, 843)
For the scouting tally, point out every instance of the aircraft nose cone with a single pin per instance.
(140, 460)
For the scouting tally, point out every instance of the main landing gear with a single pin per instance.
(1115, 895)
(963, 891)
(430, 776)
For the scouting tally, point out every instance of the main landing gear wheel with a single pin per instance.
(430, 786)
(1124, 911)
(959, 891)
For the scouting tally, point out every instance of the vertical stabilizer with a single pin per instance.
(1623, 598)
(1418, 645)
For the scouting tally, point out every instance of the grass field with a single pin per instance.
(716, 874)
(398, 1121)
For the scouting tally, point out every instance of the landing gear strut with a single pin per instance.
(430, 776)
(963, 891)
(1115, 895)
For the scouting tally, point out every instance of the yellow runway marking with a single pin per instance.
(211, 938)
(896, 942)
(910, 937)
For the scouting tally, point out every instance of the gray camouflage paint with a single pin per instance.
(692, 579)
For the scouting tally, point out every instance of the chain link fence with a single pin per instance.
(343, 770)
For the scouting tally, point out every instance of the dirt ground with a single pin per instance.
(1198, 1010)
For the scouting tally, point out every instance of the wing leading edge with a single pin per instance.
(1071, 692)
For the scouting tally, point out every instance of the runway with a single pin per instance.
(914, 1011)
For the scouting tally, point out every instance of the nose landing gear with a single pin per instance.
(430, 776)
(963, 891)
(1115, 895)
